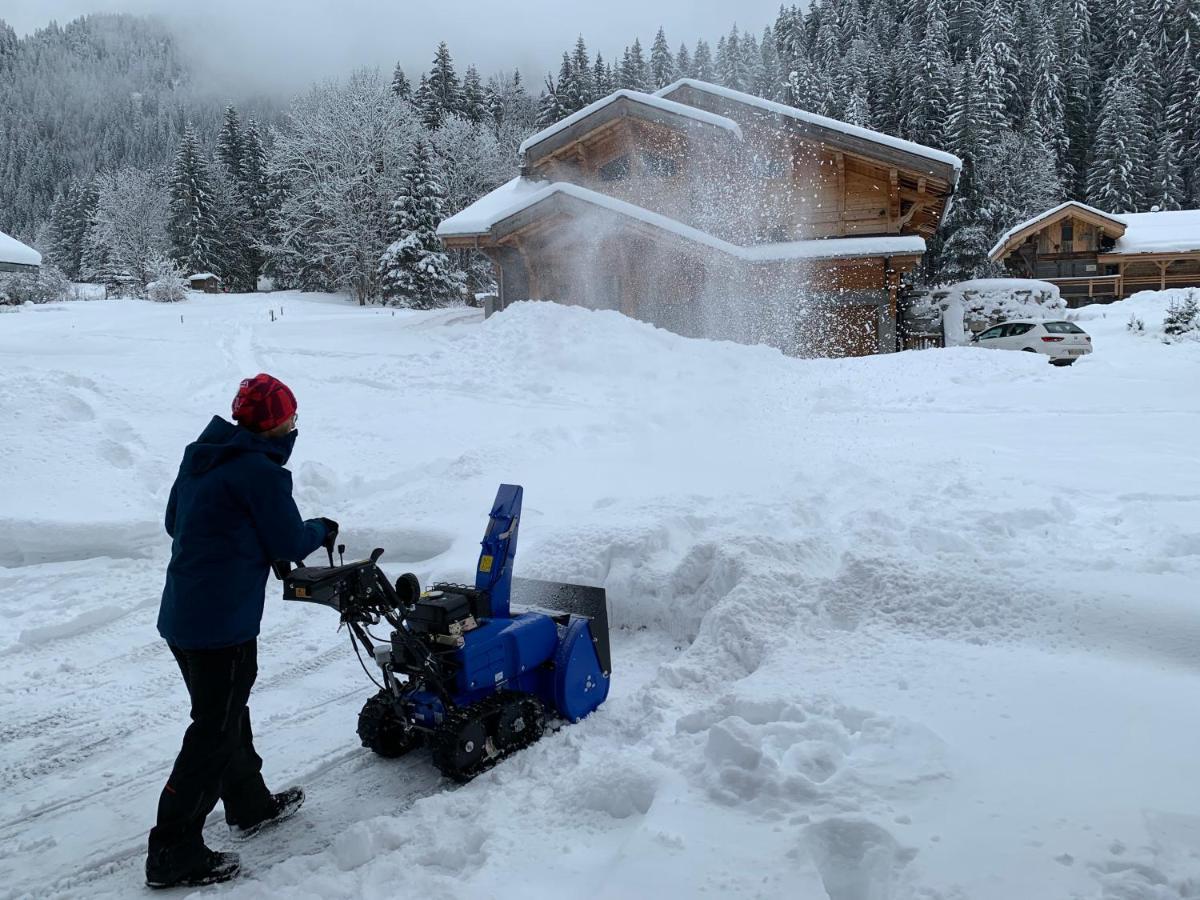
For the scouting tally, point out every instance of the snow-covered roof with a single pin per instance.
(652, 100)
(15, 253)
(203, 275)
(1168, 231)
(1048, 214)
(522, 193)
(801, 115)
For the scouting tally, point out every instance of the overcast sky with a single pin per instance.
(285, 44)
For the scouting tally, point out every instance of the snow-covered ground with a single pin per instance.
(913, 626)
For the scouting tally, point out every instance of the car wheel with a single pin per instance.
(1028, 350)
(1062, 362)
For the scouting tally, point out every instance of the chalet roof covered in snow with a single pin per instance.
(18, 256)
(820, 122)
(522, 194)
(1169, 231)
(623, 101)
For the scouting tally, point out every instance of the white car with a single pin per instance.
(1063, 342)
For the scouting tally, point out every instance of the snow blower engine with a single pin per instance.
(462, 671)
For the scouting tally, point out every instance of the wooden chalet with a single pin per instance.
(1095, 257)
(715, 213)
(205, 282)
(17, 257)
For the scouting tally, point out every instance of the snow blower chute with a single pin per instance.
(462, 671)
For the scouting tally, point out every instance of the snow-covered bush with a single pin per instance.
(166, 284)
(970, 306)
(47, 285)
(1183, 316)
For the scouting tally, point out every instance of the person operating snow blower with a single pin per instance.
(230, 515)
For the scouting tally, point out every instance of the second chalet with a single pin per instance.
(715, 213)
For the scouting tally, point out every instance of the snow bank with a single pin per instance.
(870, 616)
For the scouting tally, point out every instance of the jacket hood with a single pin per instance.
(221, 441)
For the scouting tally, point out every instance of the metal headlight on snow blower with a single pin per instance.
(462, 670)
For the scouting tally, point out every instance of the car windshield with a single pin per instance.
(1063, 328)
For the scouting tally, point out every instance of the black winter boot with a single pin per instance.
(162, 870)
(283, 806)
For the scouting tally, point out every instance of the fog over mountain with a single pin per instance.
(274, 45)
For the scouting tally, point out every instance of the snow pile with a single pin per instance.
(874, 619)
(1169, 316)
(970, 306)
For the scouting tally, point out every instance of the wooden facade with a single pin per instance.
(726, 223)
(1093, 257)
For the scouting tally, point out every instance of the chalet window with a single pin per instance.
(1068, 237)
(659, 166)
(616, 170)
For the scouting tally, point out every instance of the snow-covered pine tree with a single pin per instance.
(702, 63)
(474, 99)
(752, 62)
(662, 63)
(930, 85)
(770, 79)
(1168, 190)
(1078, 80)
(550, 105)
(1000, 39)
(70, 219)
(444, 86)
(1182, 316)
(1046, 110)
(429, 108)
(635, 72)
(683, 62)
(1120, 155)
(602, 83)
(401, 87)
(415, 270)
(731, 62)
(192, 228)
(583, 84)
(231, 147)
(567, 88)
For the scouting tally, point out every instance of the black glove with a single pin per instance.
(331, 531)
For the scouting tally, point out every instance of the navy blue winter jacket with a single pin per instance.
(230, 513)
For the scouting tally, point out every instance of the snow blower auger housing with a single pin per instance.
(463, 671)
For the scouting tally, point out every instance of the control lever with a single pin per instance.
(341, 554)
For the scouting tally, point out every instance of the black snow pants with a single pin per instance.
(217, 760)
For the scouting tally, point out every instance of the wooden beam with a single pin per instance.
(530, 275)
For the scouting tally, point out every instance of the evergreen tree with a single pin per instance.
(231, 145)
(551, 108)
(192, 226)
(930, 84)
(683, 62)
(429, 108)
(415, 270)
(702, 63)
(1117, 178)
(602, 82)
(444, 88)
(1168, 190)
(1078, 80)
(1047, 107)
(662, 63)
(731, 62)
(1000, 40)
(583, 84)
(635, 73)
(401, 88)
(70, 219)
(770, 79)
(474, 99)
(567, 90)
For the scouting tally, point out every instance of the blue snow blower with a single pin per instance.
(463, 671)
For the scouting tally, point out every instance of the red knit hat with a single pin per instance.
(263, 403)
